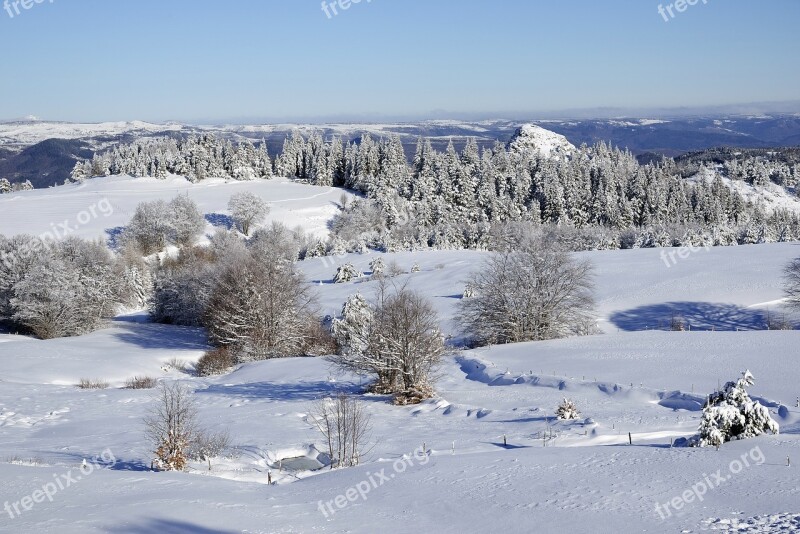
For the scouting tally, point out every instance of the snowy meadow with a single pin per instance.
(479, 438)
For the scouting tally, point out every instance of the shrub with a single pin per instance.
(731, 414)
(214, 362)
(140, 382)
(346, 273)
(86, 383)
(567, 411)
(532, 291)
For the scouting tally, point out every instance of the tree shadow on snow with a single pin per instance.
(114, 239)
(159, 336)
(219, 220)
(692, 316)
(303, 391)
(166, 526)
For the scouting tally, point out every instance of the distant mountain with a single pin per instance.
(45, 152)
(44, 164)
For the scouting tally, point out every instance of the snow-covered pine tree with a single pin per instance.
(567, 410)
(731, 414)
(352, 330)
(346, 273)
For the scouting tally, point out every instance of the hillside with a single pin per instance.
(557, 476)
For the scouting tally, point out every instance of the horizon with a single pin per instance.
(754, 109)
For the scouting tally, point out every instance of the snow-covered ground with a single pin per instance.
(485, 455)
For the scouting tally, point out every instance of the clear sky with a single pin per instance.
(246, 60)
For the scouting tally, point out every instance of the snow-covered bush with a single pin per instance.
(377, 266)
(532, 291)
(260, 309)
(353, 329)
(183, 287)
(567, 410)
(247, 209)
(415, 268)
(5, 186)
(150, 227)
(171, 426)
(278, 240)
(186, 221)
(731, 414)
(346, 273)
(69, 291)
(397, 340)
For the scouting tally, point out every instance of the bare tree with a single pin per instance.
(530, 291)
(791, 282)
(186, 221)
(247, 209)
(171, 426)
(261, 310)
(398, 340)
(345, 426)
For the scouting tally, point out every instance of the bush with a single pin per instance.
(345, 426)
(567, 411)
(140, 382)
(247, 209)
(397, 340)
(214, 362)
(532, 291)
(206, 445)
(346, 273)
(86, 383)
(731, 414)
(260, 310)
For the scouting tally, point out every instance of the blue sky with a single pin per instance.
(248, 60)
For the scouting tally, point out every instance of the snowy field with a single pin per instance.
(485, 456)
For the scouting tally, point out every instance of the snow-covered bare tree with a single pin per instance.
(531, 291)
(69, 291)
(261, 309)
(345, 426)
(397, 340)
(247, 209)
(731, 414)
(150, 227)
(171, 426)
(791, 285)
(186, 221)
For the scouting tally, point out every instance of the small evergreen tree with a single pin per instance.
(346, 273)
(731, 414)
(567, 410)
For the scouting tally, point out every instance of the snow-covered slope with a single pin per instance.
(534, 138)
(100, 207)
(493, 458)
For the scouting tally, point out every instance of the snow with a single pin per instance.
(773, 196)
(530, 137)
(550, 476)
(108, 204)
